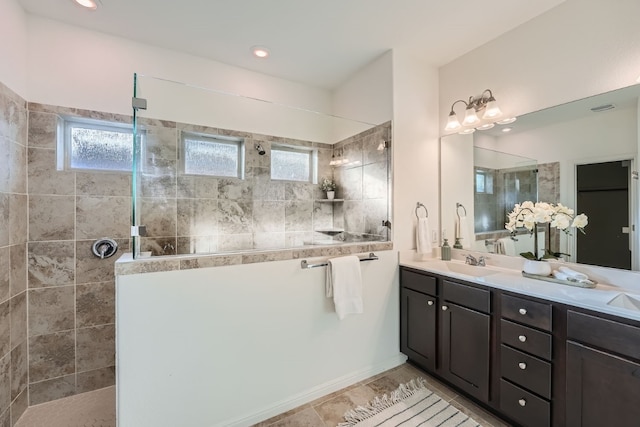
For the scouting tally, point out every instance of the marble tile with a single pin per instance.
(51, 356)
(235, 242)
(96, 347)
(91, 269)
(197, 187)
(56, 388)
(18, 257)
(5, 418)
(95, 304)
(51, 310)
(102, 217)
(159, 143)
(269, 240)
(13, 116)
(158, 246)
(268, 216)
(18, 305)
(235, 189)
(151, 266)
(322, 215)
(159, 182)
(5, 263)
(18, 218)
(19, 406)
(197, 217)
(5, 160)
(297, 238)
(96, 379)
(353, 216)
(5, 328)
(350, 183)
(103, 184)
(235, 216)
(44, 178)
(19, 370)
(332, 411)
(251, 258)
(42, 129)
(263, 187)
(5, 386)
(5, 219)
(159, 216)
(197, 244)
(375, 211)
(252, 158)
(51, 218)
(370, 144)
(51, 263)
(212, 261)
(353, 151)
(375, 181)
(305, 418)
(298, 215)
(298, 191)
(18, 164)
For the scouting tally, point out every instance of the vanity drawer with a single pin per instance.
(467, 296)
(523, 407)
(606, 334)
(526, 371)
(532, 313)
(526, 339)
(418, 282)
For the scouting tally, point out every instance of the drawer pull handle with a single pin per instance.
(429, 302)
(445, 308)
(522, 365)
(522, 338)
(522, 402)
(522, 311)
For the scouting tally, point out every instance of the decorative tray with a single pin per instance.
(589, 284)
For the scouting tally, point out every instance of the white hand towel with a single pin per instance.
(464, 233)
(423, 238)
(573, 274)
(560, 275)
(508, 246)
(344, 283)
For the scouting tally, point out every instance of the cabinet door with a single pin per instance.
(418, 327)
(466, 348)
(602, 389)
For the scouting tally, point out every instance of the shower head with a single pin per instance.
(260, 149)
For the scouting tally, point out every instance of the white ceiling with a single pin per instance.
(320, 43)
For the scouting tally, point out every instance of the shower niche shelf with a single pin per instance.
(329, 200)
(330, 231)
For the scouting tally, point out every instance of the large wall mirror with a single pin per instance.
(582, 154)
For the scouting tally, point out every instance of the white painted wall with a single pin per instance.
(238, 344)
(577, 49)
(13, 48)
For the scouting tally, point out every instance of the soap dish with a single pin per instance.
(590, 284)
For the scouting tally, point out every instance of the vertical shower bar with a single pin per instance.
(135, 221)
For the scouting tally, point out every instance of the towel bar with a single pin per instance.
(305, 264)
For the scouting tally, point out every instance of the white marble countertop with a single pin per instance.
(511, 279)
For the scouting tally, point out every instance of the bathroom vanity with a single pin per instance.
(533, 352)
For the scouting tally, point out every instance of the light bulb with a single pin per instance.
(470, 117)
(260, 52)
(492, 110)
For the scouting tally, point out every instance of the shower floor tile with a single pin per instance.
(93, 409)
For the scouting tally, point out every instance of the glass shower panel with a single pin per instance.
(203, 181)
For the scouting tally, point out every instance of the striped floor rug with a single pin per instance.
(411, 405)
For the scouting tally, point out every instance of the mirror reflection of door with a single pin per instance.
(603, 195)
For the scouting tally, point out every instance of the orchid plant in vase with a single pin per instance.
(530, 215)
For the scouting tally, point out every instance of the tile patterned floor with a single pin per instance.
(328, 410)
(97, 408)
(93, 409)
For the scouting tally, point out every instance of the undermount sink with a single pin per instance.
(626, 301)
(466, 269)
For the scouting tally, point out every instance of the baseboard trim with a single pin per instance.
(316, 392)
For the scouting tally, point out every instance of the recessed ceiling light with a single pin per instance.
(89, 4)
(260, 52)
(506, 121)
(505, 130)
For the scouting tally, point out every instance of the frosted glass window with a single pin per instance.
(97, 145)
(292, 164)
(212, 156)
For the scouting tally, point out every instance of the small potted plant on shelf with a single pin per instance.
(531, 216)
(329, 187)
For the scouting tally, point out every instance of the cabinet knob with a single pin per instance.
(522, 338)
(522, 402)
(522, 365)
(445, 308)
(429, 302)
(522, 311)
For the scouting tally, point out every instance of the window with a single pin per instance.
(212, 155)
(293, 164)
(484, 182)
(95, 145)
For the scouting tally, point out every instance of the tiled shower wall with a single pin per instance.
(13, 246)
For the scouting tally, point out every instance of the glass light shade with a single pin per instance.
(486, 126)
(492, 110)
(452, 122)
(470, 117)
(467, 131)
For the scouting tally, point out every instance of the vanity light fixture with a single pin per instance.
(260, 52)
(485, 103)
(89, 4)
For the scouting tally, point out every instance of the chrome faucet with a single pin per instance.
(471, 260)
